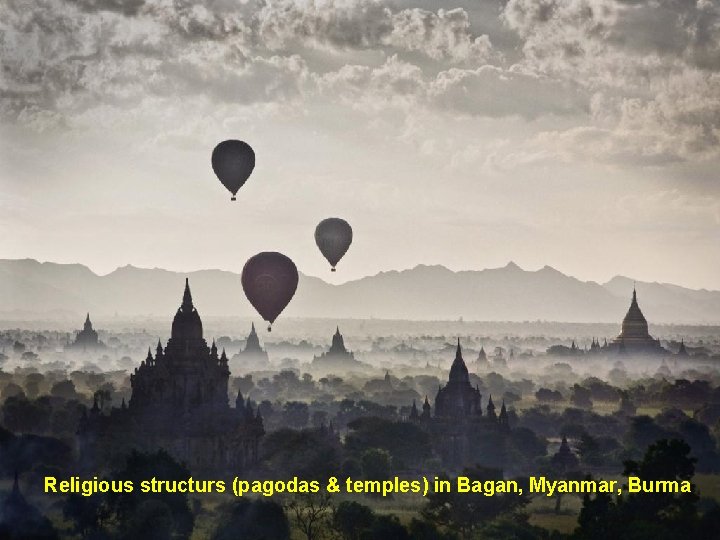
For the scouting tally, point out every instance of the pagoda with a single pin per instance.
(634, 337)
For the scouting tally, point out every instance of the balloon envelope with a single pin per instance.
(233, 161)
(333, 236)
(269, 280)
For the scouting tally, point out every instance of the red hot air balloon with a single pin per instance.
(233, 161)
(269, 280)
(333, 236)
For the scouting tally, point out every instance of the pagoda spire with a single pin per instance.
(414, 411)
(16, 497)
(503, 419)
(187, 303)
(458, 370)
(426, 408)
(491, 409)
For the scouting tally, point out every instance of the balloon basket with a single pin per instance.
(332, 269)
(269, 328)
(233, 198)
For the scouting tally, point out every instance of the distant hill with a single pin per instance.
(30, 289)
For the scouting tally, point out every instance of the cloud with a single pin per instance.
(496, 92)
(369, 24)
(126, 7)
(637, 77)
(650, 65)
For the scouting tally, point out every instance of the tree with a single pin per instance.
(651, 516)
(581, 397)
(296, 413)
(307, 454)
(548, 396)
(169, 512)
(423, 530)
(87, 514)
(64, 389)
(103, 395)
(376, 464)
(32, 384)
(407, 443)
(311, 512)
(350, 518)
(252, 520)
(467, 512)
(25, 415)
(385, 526)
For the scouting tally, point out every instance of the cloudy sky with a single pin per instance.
(581, 134)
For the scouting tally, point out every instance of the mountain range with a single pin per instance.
(30, 290)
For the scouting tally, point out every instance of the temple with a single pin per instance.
(179, 403)
(253, 356)
(87, 338)
(482, 359)
(458, 399)
(337, 357)
(20, 519)
(460, 432)
(634, 337)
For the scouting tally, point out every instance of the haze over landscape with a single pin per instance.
(32, 290)
(580, 134)
(153, 330)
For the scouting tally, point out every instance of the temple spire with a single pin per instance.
(187, 303)
(426, 409)
(458, 370)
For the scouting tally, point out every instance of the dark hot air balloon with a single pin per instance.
(333, 236)
(233, 162)
(269, 280)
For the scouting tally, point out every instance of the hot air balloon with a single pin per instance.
(269, 280)
(333, 236)
(233, 161)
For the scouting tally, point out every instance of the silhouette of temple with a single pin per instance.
(337, 357)
(253, 356)
(458, 428)
(179, 403)
(634, 336)
(564, 459)
(482, 359)
(20, 519)
(87, 338)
